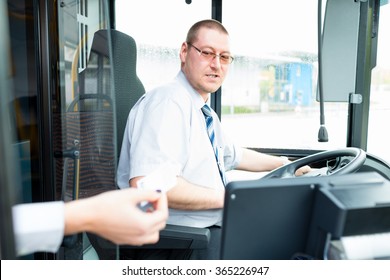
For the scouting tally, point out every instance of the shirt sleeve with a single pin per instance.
(160, 136)
(232, 156)
(38, 227)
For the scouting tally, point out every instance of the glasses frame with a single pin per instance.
(211, 55)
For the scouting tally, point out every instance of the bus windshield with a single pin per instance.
(269, 97)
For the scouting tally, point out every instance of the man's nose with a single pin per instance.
(216, 61)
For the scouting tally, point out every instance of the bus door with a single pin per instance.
(83, 114)
(64, 105)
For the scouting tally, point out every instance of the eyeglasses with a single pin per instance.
(223, 58)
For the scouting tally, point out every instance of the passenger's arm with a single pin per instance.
(115, 216)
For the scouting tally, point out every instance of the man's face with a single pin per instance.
(205, 74)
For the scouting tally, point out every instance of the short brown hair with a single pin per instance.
(207, 23)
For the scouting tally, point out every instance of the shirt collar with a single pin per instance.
(196, 98)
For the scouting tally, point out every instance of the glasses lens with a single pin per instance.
(223, 58)
(226, 59)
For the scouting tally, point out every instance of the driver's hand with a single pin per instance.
(303, 170)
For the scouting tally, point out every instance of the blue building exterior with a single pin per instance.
(293, 84)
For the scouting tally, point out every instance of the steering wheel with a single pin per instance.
(342, 166)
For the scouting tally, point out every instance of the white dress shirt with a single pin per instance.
(167, 126)
(38, 227)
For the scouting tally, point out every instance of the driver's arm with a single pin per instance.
(258, 162)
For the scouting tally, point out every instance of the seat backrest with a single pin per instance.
(95, 120)
(128, 87)
(91, 116)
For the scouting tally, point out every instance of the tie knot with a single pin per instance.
(206, 110)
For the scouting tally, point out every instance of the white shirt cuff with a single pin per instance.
(38, 227)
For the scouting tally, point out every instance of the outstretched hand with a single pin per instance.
(115, 216)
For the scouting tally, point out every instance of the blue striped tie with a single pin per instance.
(210, 130)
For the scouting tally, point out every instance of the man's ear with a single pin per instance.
(183, 51)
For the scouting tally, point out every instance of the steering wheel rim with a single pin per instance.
(288, 170)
